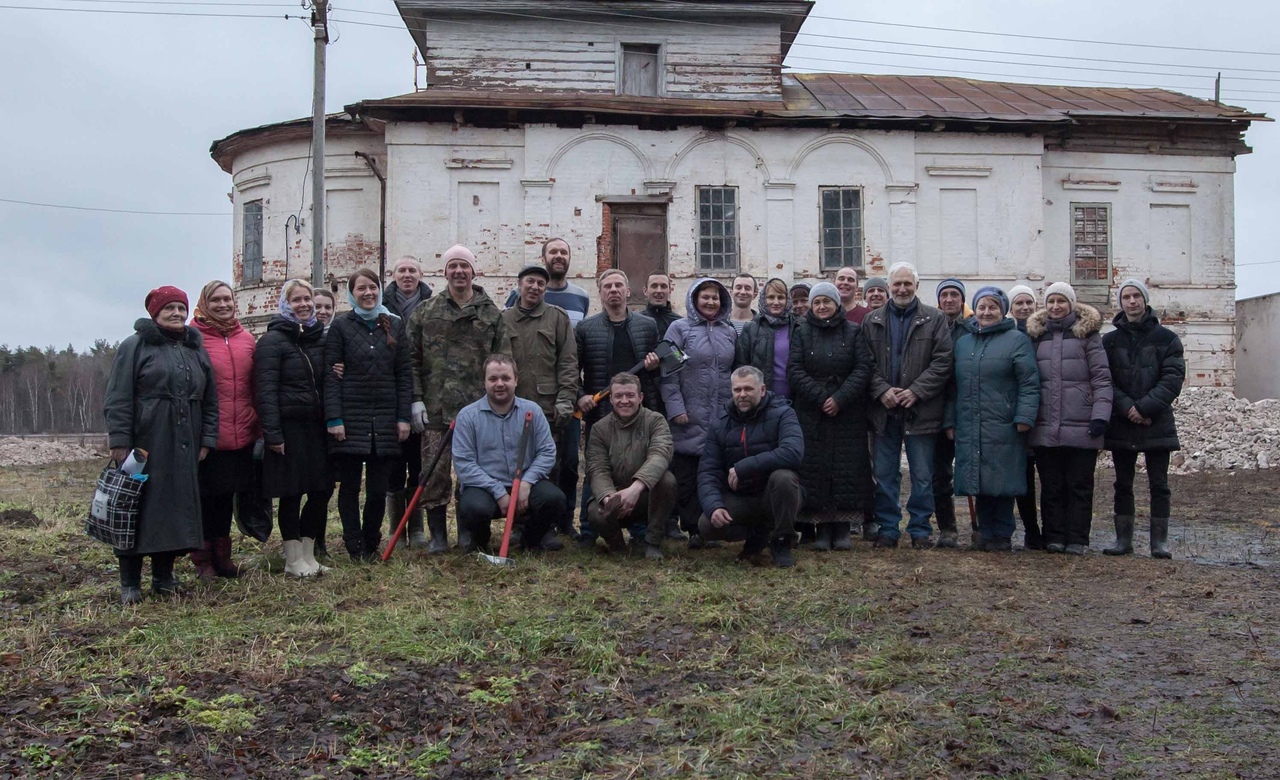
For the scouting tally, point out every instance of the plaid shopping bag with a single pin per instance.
(113, 513)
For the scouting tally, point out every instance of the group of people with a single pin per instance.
(790, 412)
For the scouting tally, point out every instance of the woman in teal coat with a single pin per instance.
(994, 401)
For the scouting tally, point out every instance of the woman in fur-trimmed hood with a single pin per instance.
(1075, 408)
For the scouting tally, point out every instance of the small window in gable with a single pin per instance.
(1090, 243)
(252, 246)
(640, 68)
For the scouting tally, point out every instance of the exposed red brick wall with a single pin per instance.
(604, 241)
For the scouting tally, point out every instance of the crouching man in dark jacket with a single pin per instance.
(747, 480)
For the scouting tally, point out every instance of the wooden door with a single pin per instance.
(639, 243)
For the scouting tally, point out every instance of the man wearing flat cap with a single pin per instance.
(540, 338)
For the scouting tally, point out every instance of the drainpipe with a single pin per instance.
(382, 214)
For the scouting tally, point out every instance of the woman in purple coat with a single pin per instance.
(1075, 406)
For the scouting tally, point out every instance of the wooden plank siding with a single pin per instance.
(542, 56)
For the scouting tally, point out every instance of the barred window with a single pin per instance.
(1091, 242)
(717, 229)
(252, 241)
(841, 236)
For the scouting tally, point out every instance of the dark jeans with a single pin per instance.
(1157, 479)
(886, 461)
(565, 474)
(771, 514)
(654, 507)
(403, 472)
(216, 513)
(367, 535)
(995, 517)
(685, 469)
(1066, 493)
(298, 521)
(477, 508)
(1027, 502)
(944, 460)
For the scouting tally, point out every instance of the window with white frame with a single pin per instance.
(1090, 242)
(841, 227)
(640, 70)
(717, 229)
(252, 247)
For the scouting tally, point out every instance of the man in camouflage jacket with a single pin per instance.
(450, 335)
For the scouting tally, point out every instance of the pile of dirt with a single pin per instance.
(1221, 432)
(18, 518)
(38, 452)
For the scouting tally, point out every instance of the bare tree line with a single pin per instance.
(52, 391)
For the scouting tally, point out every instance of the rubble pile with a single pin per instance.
(38, 452)
(1221, 432)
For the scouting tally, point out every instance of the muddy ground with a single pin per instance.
(866, 664)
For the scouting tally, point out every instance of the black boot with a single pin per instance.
(355, 546)
(130, 579)
(438, 524)
(870, 530)
(752, 547)
(1124, 537)
(1160, 538)
(840, 539)
(822, 537)
(163, 583)
(414, 527)
(780, 548)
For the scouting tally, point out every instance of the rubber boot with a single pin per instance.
(309, 555)
(130, 579)
(780, 548)
(870, 530)
(465, 542)
(438, 524)
(840, 538)
(395, 511)
(1160, 538)
(1124, 537)
(202, 559)
(163, 583)
(222, 563)
(822, 537)
(414, 527)
(295, 565)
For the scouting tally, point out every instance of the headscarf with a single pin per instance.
(286, 310)
(370, 316)
(783, 318)
(225, 327)
(161, 297)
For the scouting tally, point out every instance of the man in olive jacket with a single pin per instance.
(627, 459)
(540, 339)
(911, 346)
(449, 338)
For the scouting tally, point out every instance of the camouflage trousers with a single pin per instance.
(439, 488)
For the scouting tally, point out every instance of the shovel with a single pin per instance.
(671, 360)
(501, 558)
(417, 494)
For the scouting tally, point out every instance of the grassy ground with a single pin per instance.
(865, 664)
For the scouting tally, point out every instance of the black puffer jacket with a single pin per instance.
(375, 390)
(1147, 372)
(664, 316)
(829, 359)
(595, 346)
(289, 369)
(756, 444)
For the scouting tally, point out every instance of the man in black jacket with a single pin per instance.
(657, 297)
(1147, 372)
(747, 480)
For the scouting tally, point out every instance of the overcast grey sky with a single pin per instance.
(118, 110)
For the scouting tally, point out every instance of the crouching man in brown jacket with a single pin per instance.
(627, 459)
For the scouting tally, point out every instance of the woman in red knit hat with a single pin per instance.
(161, 398)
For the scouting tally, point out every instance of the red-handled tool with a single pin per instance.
(501, 558)
(417, 494)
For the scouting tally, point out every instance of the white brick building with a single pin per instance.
(654, 141)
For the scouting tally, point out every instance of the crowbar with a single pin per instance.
(417, 494)
(501, 558)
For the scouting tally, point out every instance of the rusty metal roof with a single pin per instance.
(835, 95)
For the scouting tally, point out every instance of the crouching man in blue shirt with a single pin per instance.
(486, 440)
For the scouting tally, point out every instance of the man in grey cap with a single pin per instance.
(875, 291)
(951, 296)
(540, 339)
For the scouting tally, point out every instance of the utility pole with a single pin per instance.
(320, 25)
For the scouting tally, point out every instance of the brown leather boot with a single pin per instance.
(222, 563)
(202, 559)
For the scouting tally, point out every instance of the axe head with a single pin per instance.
(671, 360)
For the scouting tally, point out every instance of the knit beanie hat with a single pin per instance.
(874, 282)
(1063, 289)
(161, 297)
(824, 288)
(992, 292)
(800, 286)
(459, 252)
(952, 283)
(1142, 288)
(1020, 289)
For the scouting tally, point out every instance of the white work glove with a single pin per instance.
(418, 416)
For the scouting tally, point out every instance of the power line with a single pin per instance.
(180, 2)
(119, 211)
(1263, 262)
(143, 13)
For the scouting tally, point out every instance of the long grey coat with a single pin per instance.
(161, 397)
(1075, 378)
